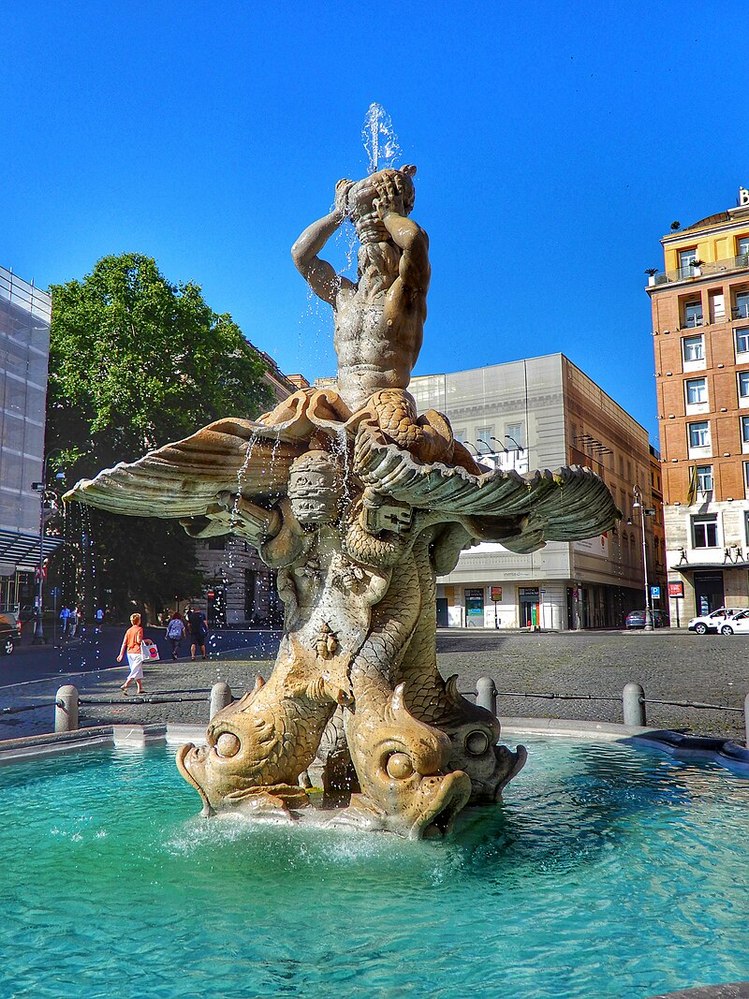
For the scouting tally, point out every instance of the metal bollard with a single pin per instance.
(633, 704)
(486, 694)
(221, 695)
(66, 709)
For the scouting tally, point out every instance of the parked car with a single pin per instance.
(713, 621)
(736, 625)
(8, 636)
(636, 619)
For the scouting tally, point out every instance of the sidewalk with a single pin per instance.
(683, 667)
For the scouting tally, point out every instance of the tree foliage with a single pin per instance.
(136, 362)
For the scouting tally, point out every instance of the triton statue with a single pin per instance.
(359, 504)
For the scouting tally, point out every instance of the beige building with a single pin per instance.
(544, 412)
(700, 311)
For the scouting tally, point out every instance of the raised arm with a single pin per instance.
(414, 268)
(319, 274)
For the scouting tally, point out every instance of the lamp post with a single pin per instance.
(638, 505)
(41, 570)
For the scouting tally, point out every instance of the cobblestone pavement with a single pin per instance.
(673, 666)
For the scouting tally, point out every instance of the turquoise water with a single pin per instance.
(606, 872)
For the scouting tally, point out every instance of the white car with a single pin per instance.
(713, 621)
(736, 625)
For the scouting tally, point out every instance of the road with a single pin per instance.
(671, 666)
(95, 652)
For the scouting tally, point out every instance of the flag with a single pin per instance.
(692, 492)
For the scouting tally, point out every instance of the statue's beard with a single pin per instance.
(378, 265)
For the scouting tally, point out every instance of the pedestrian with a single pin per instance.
(175, 632)
(99, 618)
(64, 617)
(72, 622)
(132, 645)
(198, 632)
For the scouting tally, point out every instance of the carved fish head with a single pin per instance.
(234, 762)
(474, 733)
(405, 779)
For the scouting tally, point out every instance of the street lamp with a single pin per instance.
(41, 571)
(638, 505)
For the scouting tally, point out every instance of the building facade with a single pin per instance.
(700, 314)
(544, 412)
(25, 314)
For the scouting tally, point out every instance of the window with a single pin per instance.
(705, 531)
(699, 434)
(746, 474)
(485, 434)
(693, 313)
(744, 386)
(742, 340)
(742, 246)
(741, 309)
(693, 348)
(704, 478)
(517, 432)
(686, 261)
(745, 429)
(696, 391)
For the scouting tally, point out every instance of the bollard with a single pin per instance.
(221, 695)
(66, 709)
(746, 721)
(486, 694)
(633, 704)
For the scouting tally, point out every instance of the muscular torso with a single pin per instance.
(377, 342)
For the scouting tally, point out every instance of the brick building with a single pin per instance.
(700, 310)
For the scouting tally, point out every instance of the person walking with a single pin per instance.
(131, 644)
(198, 632)
(175, 632)
(64, 618)
(99, 618)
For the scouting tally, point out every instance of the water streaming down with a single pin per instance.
(608, 872)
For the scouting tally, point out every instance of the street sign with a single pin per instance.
(496, 593)
(676, 589)
(655, 592)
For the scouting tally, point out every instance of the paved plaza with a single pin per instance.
(671, 666)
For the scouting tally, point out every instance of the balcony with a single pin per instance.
(692, 273)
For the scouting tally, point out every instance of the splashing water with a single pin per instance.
(380, 141)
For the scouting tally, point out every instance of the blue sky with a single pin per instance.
(555, 144)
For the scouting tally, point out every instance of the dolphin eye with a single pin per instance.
(227, 744)
(399, 766)
(477, 743)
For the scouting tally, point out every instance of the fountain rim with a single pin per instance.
(727, 754)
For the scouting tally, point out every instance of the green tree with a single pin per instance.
(136, 362)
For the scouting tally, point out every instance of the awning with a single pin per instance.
(707, 566)
(20, 552)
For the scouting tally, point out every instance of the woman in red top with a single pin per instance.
(131, 644)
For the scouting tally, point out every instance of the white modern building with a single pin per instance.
(544, 412)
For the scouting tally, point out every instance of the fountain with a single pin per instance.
(359, 503)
